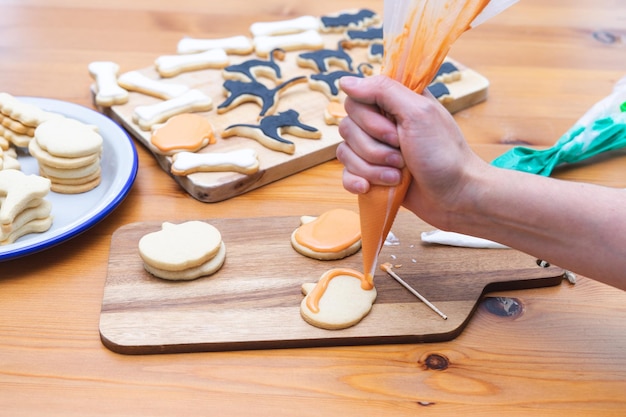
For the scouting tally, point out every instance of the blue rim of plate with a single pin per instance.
(119, 170)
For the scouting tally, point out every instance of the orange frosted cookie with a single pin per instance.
(341, 298)
(335, 234)
(183, 132)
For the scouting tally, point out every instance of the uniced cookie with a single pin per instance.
(335, 234)
(183, 251)
(68, 153)
(340, 299)
(22, 206)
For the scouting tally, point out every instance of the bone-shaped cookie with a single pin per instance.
(192, 101)
(237, 45)
(299, 24)
(19, 189)
(244, 161)
(310, 39)
(108, 92)
(136, 81)
(173, 65)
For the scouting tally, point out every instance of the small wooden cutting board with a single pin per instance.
(253, 302)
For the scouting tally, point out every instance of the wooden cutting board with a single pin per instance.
(470, 89)
(253, 302)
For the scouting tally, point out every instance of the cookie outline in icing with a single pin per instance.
(343, 300)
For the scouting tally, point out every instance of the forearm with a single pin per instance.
(579, 227)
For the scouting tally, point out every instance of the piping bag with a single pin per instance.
(417, 36)
(601, 129)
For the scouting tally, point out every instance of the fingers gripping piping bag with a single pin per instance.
(417, 37)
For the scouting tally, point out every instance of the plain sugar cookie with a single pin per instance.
(183, 251)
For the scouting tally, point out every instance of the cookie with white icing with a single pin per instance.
(244, 161)
(173, 65)
(307, 40)
(183, 251)
(108, 91)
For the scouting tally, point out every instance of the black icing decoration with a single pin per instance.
(253, 91)
(249, 68)
(342, 20)
(331, 79)
(322, 58)
(366, 35)
(439, 90)
(271, 127)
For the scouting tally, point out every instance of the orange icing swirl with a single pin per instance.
(314, 297)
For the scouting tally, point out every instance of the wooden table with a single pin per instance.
(548, 61)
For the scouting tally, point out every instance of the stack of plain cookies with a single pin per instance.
(68, 153)
(18, 121)
(23, 208)
(184, 251)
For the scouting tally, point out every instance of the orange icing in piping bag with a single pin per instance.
(418, 35)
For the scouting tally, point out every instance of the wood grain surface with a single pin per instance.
(561, 353)
(253, 301)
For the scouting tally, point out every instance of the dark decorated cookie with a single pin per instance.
(268, 131)
(364, 37)
(328, 83)
(322, 59)
(252, 69)
(349, 20)
(239, 92)
(447, 73)
(375, 52)
(439, 91)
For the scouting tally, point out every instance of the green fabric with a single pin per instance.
(601, 129)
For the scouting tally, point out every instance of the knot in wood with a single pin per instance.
(436, 362)
(503, 306)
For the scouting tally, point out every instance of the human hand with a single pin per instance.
(389, 127)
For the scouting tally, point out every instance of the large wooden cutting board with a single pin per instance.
(253, 301)
(210, 187)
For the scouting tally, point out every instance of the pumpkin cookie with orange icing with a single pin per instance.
(340, 299)
(335, 234)
(183, 132)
